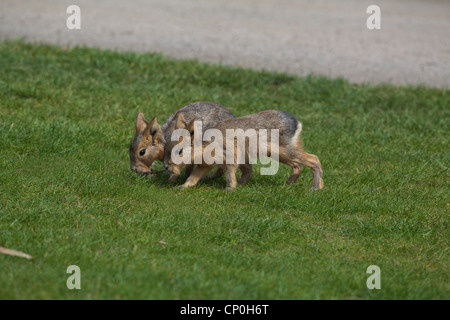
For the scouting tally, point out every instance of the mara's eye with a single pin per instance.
(180, 152)
(142, 152)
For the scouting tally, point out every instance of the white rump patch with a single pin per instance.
(297, 133)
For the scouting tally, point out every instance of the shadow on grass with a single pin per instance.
(161, 180)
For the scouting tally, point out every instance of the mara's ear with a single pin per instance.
(154, 128)
(141, 123)
(192, 131)
(191, 128)
(181, 122)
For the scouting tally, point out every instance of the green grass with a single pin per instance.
(67, 195)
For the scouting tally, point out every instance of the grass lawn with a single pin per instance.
(68, 197)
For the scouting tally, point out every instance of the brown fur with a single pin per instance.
(291, 151)
(155, 139)
(148, 137)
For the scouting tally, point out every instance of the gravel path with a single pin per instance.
(323, 37)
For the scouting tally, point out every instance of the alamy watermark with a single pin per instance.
(239, 147)
(374, 20)
(73, 22)
(374, 281)
(74, 281)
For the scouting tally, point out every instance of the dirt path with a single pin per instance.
(324, 37)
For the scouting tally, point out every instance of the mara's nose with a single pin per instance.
(133, 168)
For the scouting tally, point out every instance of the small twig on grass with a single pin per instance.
(15, 253)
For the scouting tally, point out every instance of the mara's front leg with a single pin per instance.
(231, 177)
(198, 173)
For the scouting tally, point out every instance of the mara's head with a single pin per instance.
(178, 149)
(147, 145)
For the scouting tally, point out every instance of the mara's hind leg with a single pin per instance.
(246, 170)
(296, 171)
(312, 161)
(296, 158)
(292, 157)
